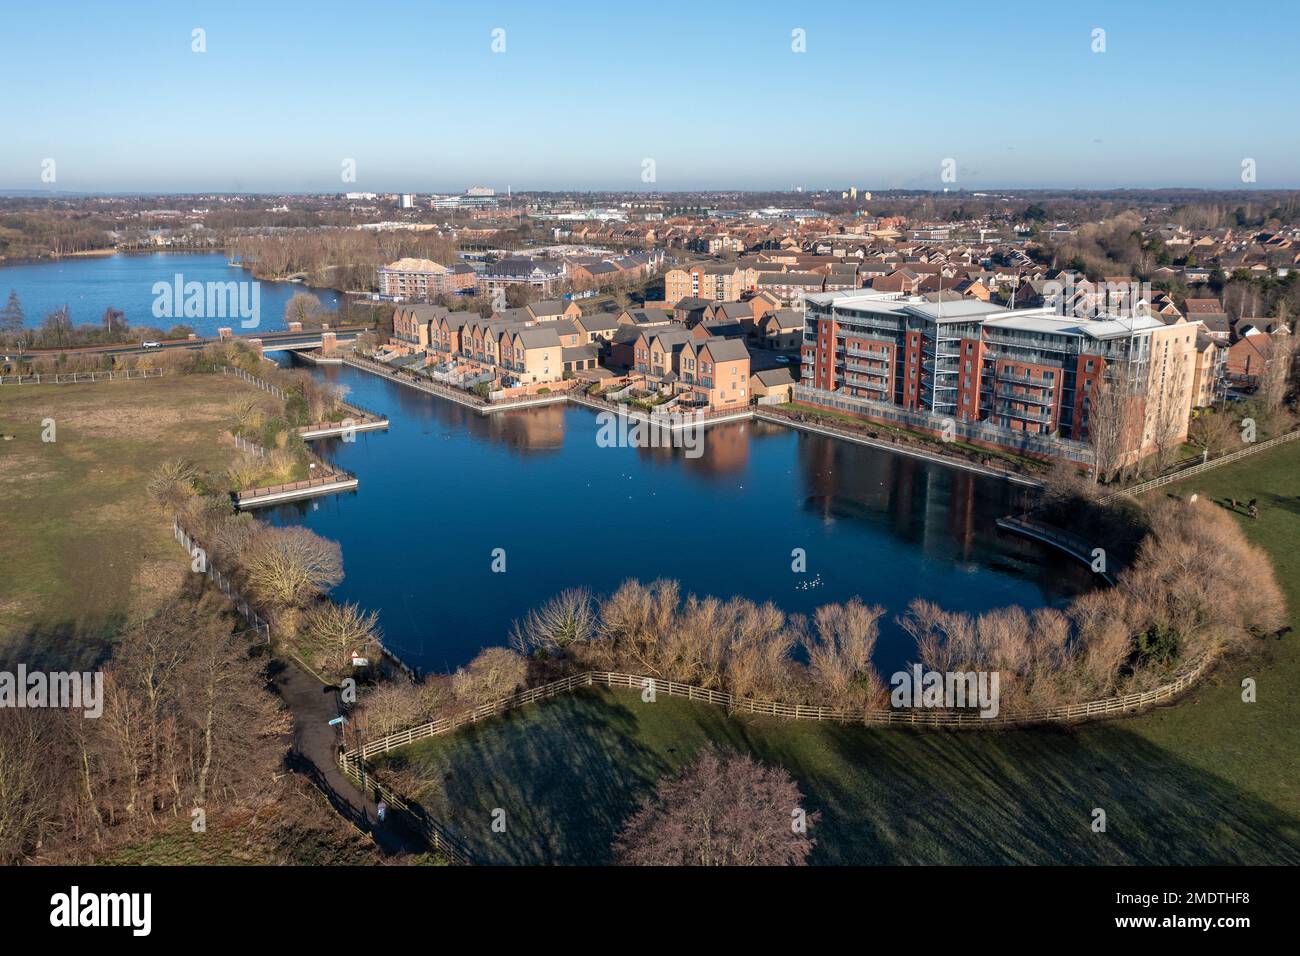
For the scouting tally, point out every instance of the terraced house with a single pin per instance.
(1018, 379)
(716, 372)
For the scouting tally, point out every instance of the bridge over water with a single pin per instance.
(279, 341)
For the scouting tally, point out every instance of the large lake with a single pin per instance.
(445, 486)
(89, 285)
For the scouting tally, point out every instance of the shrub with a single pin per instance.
(495, 673)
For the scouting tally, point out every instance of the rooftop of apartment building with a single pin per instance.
(1042, 320)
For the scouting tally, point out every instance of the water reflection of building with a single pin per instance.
(528, 430)
(724, 450)
(927, 504)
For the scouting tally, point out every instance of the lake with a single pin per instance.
(89, 285)
(445, 486)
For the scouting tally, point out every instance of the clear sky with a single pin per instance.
(585, 92)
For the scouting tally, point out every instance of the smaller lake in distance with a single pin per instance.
(445, 486)
(88, 285)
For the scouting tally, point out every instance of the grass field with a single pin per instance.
(1208, 780)
(80, 546)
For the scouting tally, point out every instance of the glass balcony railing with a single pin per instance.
(1007, 393)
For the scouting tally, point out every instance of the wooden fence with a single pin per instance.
(223, 582)
(305, 484)
(914, 717)
(439, 837)
(74, 378)
(1203, 466)
(264, 385)
(329, 475)
(357, 415)
(435, 834)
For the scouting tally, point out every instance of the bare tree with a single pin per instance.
(839, 653)
(725, 809)
(567, 619)
(1114, 420)
(332, 633)
(1276, 380)
(29, 780)
(1215, 431)
(495, 673)
(302, 307)
(289, 566)
(172, 484)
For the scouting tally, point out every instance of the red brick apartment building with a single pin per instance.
(1015, 379)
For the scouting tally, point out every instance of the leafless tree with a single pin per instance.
(566, 619)
(725, 809)
(172, 484)
(1215, 431)
(495, 673)
(287, 567)
(1114, 420)
(330, 634)
(30, 782)
(1276, 380)
(839, 654)
(301, 307)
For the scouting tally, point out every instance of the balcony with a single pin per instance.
(1047, 400)
(1004, 409)
(870, 386)
(1012, 377)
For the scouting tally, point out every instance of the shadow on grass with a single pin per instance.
(62, 645)
(569, 772)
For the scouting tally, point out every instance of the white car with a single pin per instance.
(783, 359)
(150, 345)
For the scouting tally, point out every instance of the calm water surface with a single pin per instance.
(444, 486)
(89, 285)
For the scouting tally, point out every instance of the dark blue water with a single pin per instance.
(90, 285)
(444, 486)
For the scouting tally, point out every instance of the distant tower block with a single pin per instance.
(328, 341)
(295, 326)
(226, 333)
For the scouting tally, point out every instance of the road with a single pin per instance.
(315, 755)
(270, 342)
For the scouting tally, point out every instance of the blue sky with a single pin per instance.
(584, 92)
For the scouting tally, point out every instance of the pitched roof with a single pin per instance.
(725, 350)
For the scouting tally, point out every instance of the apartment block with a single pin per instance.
(1017, 379)
(718, 282)
(424, 279)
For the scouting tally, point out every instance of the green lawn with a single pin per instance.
(1207, 780)
(80, 545)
